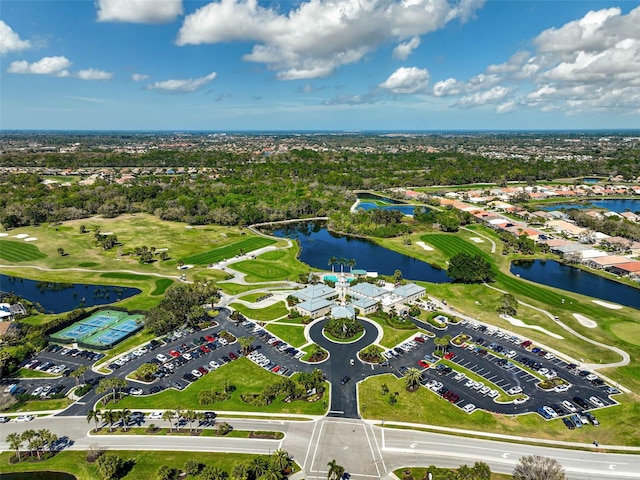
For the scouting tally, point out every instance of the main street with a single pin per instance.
(365, 449)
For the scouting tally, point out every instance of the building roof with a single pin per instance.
(314, 291)
(609, 260)
(343, 311)
(368, 290)
(364, 303)
(408, 290)
(629, 267)
(315, 305)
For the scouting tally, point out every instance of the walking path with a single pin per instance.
(493, 244)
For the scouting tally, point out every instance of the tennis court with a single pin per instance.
(102, 329)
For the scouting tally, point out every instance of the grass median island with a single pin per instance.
(244, 375)
(392, 336)
(416, 473)
(271, 312)
(27, 373)
(37, 405)
(293, 335)
(18, 251)
(618, 424)
(228, 251)
(145, 463)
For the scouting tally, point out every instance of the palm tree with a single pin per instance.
(240, 471)
(539, 468)
(352, 263)
(15, 443)
(28, 436)
(36, 444)
(95, 416)
(125, 415)
(272, 474)
(259, 466)
(335, 471)
(413, 377)
(246, 343)
(167, 416)
(190, 416)
(110, 417)
(332, 261)
(281, 459)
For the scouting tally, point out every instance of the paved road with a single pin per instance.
(364, 449)
(343, 397)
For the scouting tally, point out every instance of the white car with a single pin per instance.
(596, 401)
(514, 390)
(37, 391)
(478, 386)
(520, 400)
(511, 354)
(485, 390)
(430, 383)
(549, 356)
(214, 365)
(469, 407)
(470, 383)
(493, 393)
(187, 356)
(161, 357)
(45, 391)
(569, 406)
(196, 373)
(155, 416)
(550, 411)
(223, 341)
(135, 391)
(25, 418)
(591, 377)
(562, 388)
(459, 376)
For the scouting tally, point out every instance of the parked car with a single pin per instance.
(25, 418)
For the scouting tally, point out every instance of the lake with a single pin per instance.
(319, 245)
(615, 205)
(64, 297)
(555, 274)
(405, 209)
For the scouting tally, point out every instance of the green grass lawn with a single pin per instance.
(146, 463)
(293, 335)
(246, 376)
(271, 312)
(125, 275)
(272, 266)
(26, 373)
(252, 297)
(228, 251)
(618, 424)
(19, 251)
(37, 405)
(438, 473)
(161, 286)
(391, 336)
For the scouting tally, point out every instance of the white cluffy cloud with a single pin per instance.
(93, 74)
(139, 11)
(591, 64)
(407, 80)
(403, 50)
(182, 86)
(46, 66)
(317, 36)
(10, 41)
(138, 77)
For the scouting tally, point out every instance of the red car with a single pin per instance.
(232, 356)
(174, 353)
(210, 338)
(205, 349)
(423, 363)
(203, 370)
(276, 369)
(419, 339)
(450, 356)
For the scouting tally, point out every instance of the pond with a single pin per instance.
(37, 476)
(405, 209)
(555, 274)
(318, 245)
(614, 205)
(64, 297)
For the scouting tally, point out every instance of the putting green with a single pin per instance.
(627, 331)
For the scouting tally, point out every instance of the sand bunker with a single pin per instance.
(30, 239)
(612, 306)
(4, 234)
(519, 323)
(585, 321)
(21, 235)
(425, 246)
(476, 239)
(106, 233)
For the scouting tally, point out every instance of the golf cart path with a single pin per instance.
(493, 244)
(588, 366)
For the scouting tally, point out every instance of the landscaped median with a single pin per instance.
(238, 379)
(199, 432)
(619, 424)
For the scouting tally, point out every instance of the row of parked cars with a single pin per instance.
(573, 413)
(74, 352)
(263, 361)
(42, 391)
(405, 346)
(272, 340)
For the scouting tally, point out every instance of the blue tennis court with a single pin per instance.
(103, 328)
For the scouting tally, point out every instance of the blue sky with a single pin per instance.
(319, 65)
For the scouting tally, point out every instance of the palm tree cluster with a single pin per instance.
(349, 262)
(112, 385)
(110, 417)
(37, 441)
